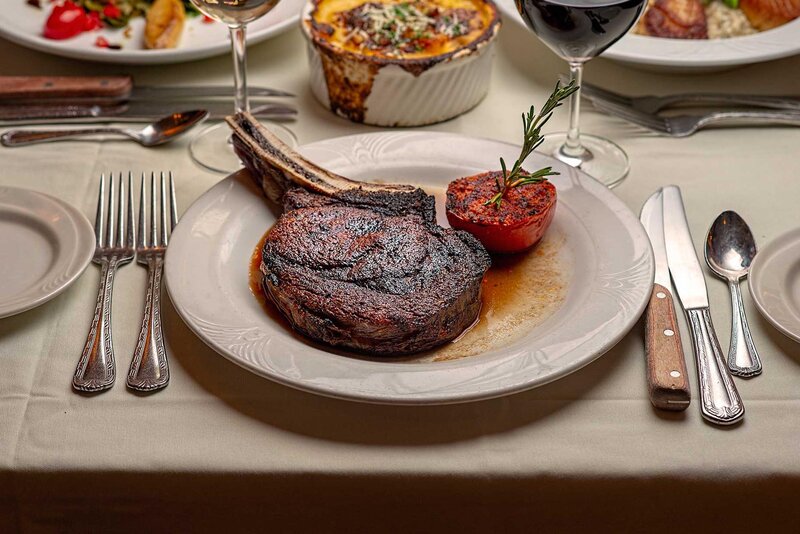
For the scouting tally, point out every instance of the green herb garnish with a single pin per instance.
(532, 129)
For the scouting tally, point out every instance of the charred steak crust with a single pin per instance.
(360, 265)
(352, 276)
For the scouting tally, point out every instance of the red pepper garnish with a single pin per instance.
(207, 19)
(111, 11)
(101, 42)
(65, 21)
(93, 21)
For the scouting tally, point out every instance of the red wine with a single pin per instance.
(579, 29)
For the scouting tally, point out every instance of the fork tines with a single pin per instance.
(115, 228)
(156, 238)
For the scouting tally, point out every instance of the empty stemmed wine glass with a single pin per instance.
(578, 30)
(212, 148)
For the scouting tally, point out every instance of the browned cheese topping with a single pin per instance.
(418, 28)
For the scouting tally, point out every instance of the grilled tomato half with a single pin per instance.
(518, 223)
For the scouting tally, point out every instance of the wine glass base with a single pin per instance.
(213, 150)
(600, 158)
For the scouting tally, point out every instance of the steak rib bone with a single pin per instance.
(277, 168)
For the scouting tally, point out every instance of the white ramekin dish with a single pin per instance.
(399, 92)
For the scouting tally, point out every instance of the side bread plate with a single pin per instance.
(609, 283)
(775, 283)
(45, 244)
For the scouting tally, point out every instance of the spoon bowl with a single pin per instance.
(730, 246)
(730, 249)
(170, 127)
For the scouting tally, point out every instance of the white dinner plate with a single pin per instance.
(693, 54)
(45, 244)
(606, 264)
(23, 24)
(775, 283)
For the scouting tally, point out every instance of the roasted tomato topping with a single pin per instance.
(519, 223)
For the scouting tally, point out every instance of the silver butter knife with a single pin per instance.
(667, 379)
(720, 402)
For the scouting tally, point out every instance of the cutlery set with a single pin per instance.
(117, 244)
(645, 111)
(729, 247)
(729, 251)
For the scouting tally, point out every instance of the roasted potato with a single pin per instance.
(676, 19)
(768, 14)
(164, 24)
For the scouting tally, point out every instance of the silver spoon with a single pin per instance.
(162, 131)
(730, 248)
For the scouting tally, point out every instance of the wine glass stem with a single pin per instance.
(572, 146)
(239, 67)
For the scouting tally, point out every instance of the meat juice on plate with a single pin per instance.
(234, 12)
(519, 292)
(579, 29)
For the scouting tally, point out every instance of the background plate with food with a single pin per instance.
(721, 36)
(545, 312)
(117, 32)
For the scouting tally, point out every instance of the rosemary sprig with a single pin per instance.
(532, 128)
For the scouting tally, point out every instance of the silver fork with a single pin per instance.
(96, 369)
(685, 125)
(149, 369)
(653, 104)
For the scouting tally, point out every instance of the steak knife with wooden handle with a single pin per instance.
(65, 87)
(667, 379)
(105, 90)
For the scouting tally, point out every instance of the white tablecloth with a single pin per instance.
(222, 448)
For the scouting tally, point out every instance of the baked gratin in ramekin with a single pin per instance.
(400, 63)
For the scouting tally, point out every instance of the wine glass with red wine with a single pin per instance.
(212, 148)
(578, 30)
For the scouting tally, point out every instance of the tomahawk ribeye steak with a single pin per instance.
(360, 265)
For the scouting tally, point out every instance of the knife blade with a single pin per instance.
(110, 89)
(128, 112)
(720, 402)
(667, 379)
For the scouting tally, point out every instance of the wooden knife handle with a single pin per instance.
(667, 379)
(64, 87)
